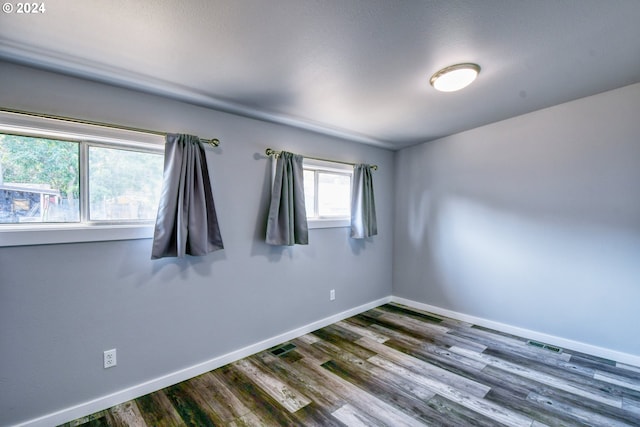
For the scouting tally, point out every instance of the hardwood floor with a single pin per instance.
(395, 366)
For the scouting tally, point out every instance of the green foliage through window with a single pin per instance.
(40, 181)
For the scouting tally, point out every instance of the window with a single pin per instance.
(38, 180)
(67, 182)
(327, 191)
(124, 185)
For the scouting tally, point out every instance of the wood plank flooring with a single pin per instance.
(395, 366)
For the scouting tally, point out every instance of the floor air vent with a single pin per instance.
(545, 346)
(283, 349)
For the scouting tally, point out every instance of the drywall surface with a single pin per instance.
(533, 221)
(61, 306)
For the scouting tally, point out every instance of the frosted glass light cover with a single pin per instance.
(455, 77)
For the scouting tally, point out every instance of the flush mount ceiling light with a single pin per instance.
(455, 77)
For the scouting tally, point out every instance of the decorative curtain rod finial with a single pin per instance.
(214, 142)
(271, 152)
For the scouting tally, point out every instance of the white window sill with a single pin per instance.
(49, 234)
(328, 223)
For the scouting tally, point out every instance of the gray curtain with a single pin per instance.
(187, 223)
(287, 222)
(363, 205)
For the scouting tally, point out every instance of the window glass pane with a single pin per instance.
(309, 193)
(334, 194)
(124, 185)
(38, 180)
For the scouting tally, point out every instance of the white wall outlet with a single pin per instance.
(110, 358)
(332, 294)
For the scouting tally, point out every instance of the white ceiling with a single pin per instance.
(358, 69)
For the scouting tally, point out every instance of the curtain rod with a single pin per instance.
(213, 142)
(271, 152)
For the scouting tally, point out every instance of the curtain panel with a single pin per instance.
(363, 205)
(287, 221)
(187, 223)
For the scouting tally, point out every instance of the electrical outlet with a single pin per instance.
(110, 358)
(332, 294)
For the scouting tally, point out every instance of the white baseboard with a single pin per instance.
(605, 353)
(104, 402)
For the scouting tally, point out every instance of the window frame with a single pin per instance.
(86, 135)
(335, 168)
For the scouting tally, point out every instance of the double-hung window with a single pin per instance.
(68, 182)
(327, 189)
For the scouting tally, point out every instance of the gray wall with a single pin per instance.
(61, 306)
(533, 221)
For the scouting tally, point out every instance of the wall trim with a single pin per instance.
(104, 402)
(606, 353)
(70, 65)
